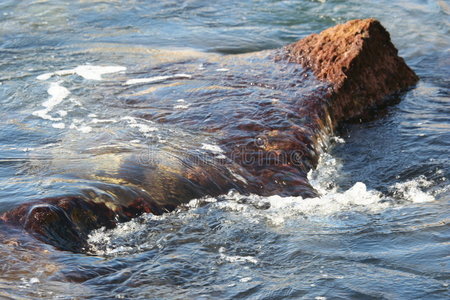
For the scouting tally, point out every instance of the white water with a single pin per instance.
(275, 211)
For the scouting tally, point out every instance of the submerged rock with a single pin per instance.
(271, 145)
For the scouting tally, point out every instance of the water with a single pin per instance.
(380, 229)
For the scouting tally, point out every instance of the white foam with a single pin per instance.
(57, 94)
(181, 106)
(34, 280)
(357, 198)
(96, 120)
(222, 70)
(143, 128)
(62, 113)
(129, 119)
(213, 148)
(96, 72)
(59, 125)
(216, 150)
(84, 129)
(411, 190)
(276, 211)
(43, 114)
(45, 76)
(157, 79)
(89, 72)
(27, 283)
(81, 128)
(101, 237)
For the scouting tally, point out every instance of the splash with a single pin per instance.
(275, 212)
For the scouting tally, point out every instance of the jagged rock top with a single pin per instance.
(360, 62)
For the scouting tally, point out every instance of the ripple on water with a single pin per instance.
(380, 229)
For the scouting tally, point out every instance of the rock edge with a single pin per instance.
(360, 62)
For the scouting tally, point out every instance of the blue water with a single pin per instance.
(379, 231)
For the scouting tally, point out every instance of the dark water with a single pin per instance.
(380, 229)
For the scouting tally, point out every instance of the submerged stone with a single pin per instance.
(265, 149)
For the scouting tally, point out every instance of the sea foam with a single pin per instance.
(57, 94)
(89, 72)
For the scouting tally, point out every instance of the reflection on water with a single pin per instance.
(380, 229)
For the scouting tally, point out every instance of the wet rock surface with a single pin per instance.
(268, 147)
(360, 62)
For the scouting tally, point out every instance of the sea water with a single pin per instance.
(78, 80)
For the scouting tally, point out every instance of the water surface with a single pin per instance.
(379, 230)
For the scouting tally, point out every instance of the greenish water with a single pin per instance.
(379, 231)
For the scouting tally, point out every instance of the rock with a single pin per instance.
(360, 62)
(272, 145)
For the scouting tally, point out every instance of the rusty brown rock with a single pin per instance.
(360, 62)
(359, 66)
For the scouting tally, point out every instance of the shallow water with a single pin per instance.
(379, 230)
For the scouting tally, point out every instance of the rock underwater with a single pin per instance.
(272, 150)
